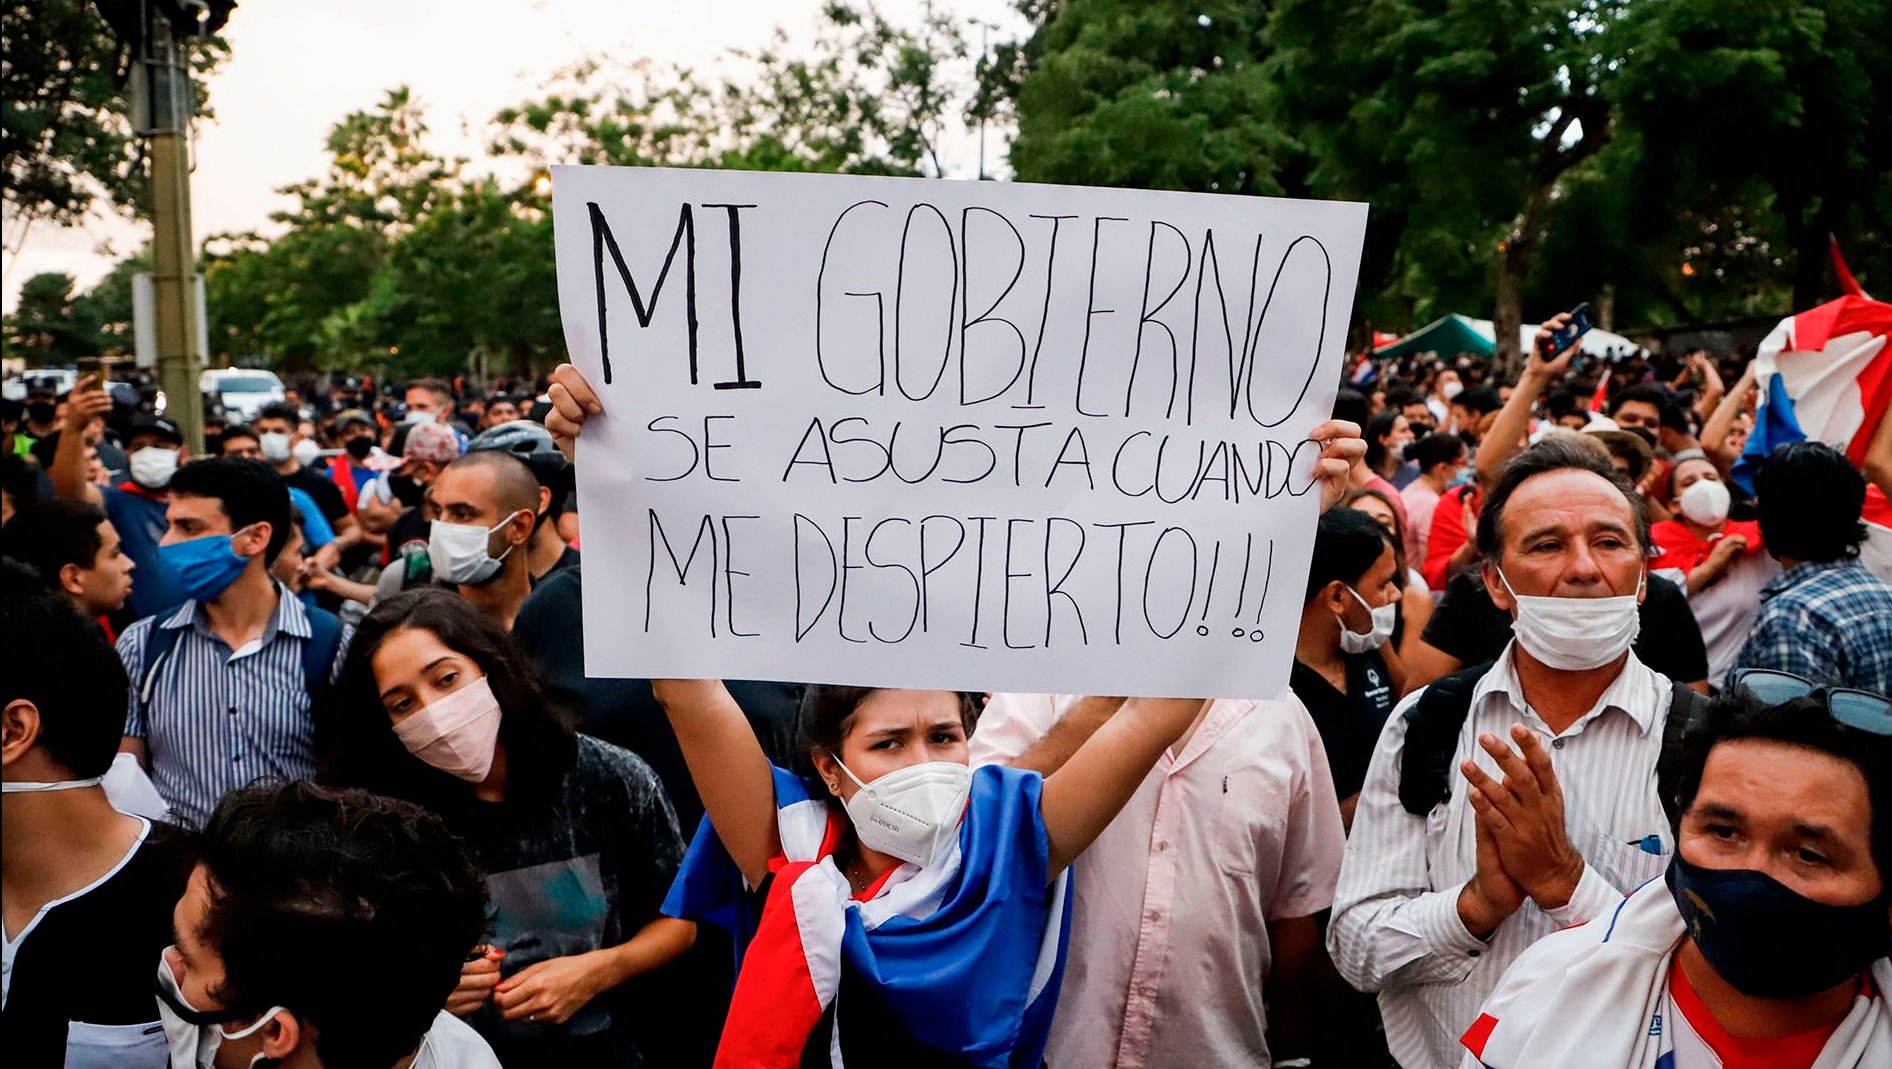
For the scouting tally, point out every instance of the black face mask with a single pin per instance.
(1767, 940)
(359, 448)
(42, 413)
(406, 490)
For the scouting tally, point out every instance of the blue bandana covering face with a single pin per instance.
(203, 567)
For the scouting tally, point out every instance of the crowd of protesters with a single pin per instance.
(1585, 761)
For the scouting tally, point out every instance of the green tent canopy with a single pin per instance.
(1449, 336)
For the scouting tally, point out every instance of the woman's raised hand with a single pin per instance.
(573, 402)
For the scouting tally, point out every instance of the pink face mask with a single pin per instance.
(456, 734)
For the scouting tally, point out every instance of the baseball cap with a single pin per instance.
(430, 441)
(157, 425)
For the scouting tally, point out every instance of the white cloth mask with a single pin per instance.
(1384, 618)
(910, 813)
(1451, 390)
(1706, 502)
(305, 451)
(153, 466)
(25, 787)
(1575, 634)
(458, 551)
(457, 733)
(193, 1043)
(413, 419)
(274, 445)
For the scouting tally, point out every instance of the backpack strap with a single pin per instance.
(160, 641)
(1685, 709)
(1432, 728)
(318, 653)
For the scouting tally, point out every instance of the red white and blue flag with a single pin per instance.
(967, 953)
(1826, 375)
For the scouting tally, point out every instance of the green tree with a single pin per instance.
(1778, 115)
(46, 329)
(1156, 94)
(287, 298)
(64, 136)
(870, 97)
(1458, 120)
(473, 281)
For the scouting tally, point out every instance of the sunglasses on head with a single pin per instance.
(1861, 709)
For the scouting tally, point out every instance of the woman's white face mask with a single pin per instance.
(910, 813)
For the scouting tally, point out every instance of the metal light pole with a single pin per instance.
(162, 73)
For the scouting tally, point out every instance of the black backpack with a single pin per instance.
(1435, 720)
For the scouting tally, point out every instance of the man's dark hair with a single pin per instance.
(280, 410)
(514, 485)
(1551, 454)
(1351, 405)
(20, 478)
(1434, 449)
(356, 745)
(1737, 714)
(1480, 399)
(352, 911)
(232, 433)
(49, 535)
(1676, 417)
(1561, 403)
(249, 491)
(59, 660)
(1808, 497)
(1400, 396)
(1346, 544)
(1644, 392)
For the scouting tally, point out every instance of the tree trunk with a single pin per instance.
(1507, 314)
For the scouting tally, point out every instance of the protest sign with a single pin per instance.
(934, 434)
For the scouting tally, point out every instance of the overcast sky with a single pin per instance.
(295, 68)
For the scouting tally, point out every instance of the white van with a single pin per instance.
(242, 392)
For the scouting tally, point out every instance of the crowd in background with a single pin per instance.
(302, 728)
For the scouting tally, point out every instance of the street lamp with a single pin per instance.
(159, 35)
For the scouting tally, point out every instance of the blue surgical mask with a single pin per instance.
(204, 567)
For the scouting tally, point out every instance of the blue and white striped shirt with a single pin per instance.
(216, 719)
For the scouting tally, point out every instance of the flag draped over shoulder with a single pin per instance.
(1826, 375)
(967, 953)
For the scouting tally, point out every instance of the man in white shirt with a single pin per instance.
(322, 928)
(1201, 896)
(1509, 844)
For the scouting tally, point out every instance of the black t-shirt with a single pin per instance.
(567, 559)
(326, 495)
(550, 630)
(1469, 627)
(1349, 723)
(582, 874)
(92, 961)
(409, 526)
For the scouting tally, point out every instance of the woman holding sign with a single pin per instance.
(899, 907)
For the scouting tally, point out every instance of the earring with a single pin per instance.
(834, 787)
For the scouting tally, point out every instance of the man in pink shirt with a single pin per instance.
(1440, 457)
(1201, 896)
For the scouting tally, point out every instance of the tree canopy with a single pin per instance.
(1671, 160)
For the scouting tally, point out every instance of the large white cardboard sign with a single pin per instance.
(936, 434)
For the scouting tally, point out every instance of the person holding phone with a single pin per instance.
(136, 507)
